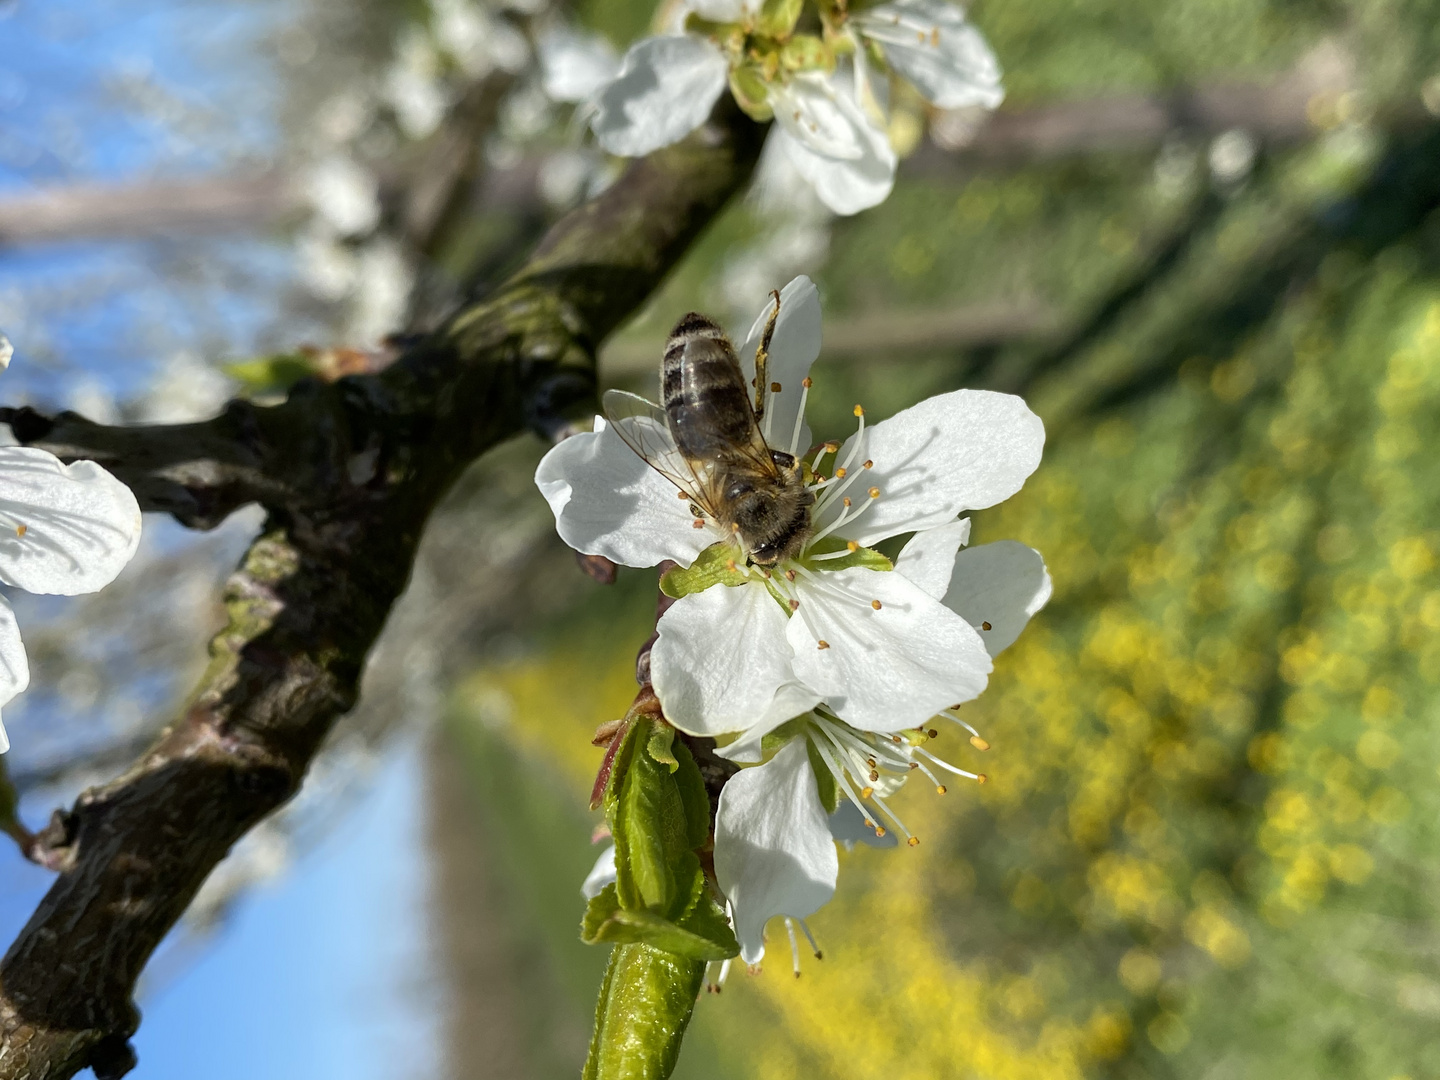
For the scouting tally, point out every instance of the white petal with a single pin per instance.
(575, 65)
(847, 825)
(833, 144)
(6, 352)
(607, 501)
(720, 658)
(965, 450)
(791, 700)
(80, 525)
(1002, 584)
(884, 669)
(793, 349)
(14, 669)
(928, 558)
(773, 851)
(665, 90)
(601, 874)
(929, 43)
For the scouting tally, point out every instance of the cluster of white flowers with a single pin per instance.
(858, 658)
(821, 88)
(64, 530)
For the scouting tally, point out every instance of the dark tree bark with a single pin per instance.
(348, 472)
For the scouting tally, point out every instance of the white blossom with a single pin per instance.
(64, 529)
(828, 106)
(868, 655)
(931, 45)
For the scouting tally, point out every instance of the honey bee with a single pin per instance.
(706, 440)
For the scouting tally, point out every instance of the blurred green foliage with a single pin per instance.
(1208, 847)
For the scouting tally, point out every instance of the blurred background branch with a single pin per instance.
(353, 469)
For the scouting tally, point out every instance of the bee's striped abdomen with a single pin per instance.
(704, 391)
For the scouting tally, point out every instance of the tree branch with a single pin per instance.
(349, 472)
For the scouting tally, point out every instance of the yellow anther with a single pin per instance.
(21, 530)
(979, 743)
(832, 447)
(874, 493)
(840, 473)
(982, 778)
(774, 387)
(853, 545)
(875, 604)
(806, 382)
(859, 411)
(940, 790)
(984, 626)
(734, 527)
(865, 793)
(730, 565)
(869, 464)
(823, 644)
(845, 501)
(879, 830)
(913, 841)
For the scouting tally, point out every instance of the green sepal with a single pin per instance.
(751, 93)
(861, 556)
(825, 785)
(716, 565)
(662, 737)
(806, 52)
(778, 17)
(773, 740)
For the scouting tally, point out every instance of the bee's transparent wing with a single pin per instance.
(642, 425)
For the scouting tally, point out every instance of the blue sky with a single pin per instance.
(323, 972)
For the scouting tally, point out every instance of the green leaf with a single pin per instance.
(778, 17)
(861, 556)
(698, 931)
(825, 785)
(266, 373)
(693, 798)
(704, 917)
(648, 816)
(661, 738)
(719, 564)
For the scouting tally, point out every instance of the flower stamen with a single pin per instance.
(805, 385)
(794, 945)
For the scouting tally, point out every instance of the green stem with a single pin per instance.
(645, 1005)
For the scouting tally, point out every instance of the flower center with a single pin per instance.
(869, 765)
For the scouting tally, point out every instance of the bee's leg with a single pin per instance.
(762, 358)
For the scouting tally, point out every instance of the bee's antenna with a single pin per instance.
(762, 358)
